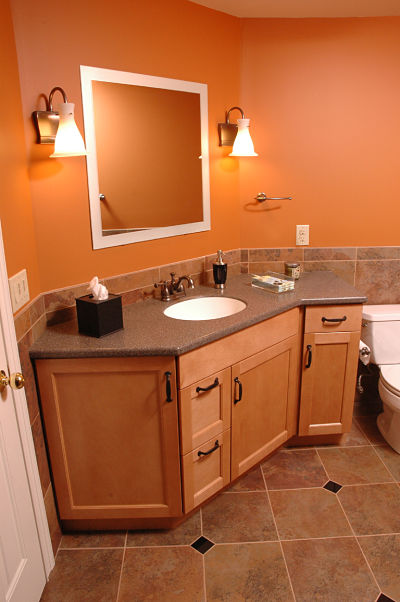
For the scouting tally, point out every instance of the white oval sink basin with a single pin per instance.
(205, 308)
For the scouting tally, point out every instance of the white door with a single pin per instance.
(22, 575)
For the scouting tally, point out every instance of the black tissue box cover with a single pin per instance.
(97, 318)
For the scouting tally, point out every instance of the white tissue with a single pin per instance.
(99, 291)
(364, 353)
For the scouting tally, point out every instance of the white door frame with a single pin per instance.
(22, 414)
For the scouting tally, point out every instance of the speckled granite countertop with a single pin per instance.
(147, 331)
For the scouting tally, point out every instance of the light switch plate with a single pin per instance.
(302, 235)
(19, 290)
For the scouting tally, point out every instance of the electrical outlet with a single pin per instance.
(19, 290)
(302, 235)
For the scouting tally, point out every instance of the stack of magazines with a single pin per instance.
(276, 283)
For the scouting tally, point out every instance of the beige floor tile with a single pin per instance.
(238, 572)
(369, 428)
(164, 574)
(94, 539)
(294, 469)
(305, 513)
(252, 481)
(383, 555)
(329, 570)
(372, 509)
(354, 437)
(353, 465)
(90, 575)
(390, 458)
(239, 517)
(185, 534)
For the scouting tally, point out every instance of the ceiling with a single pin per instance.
(304, 8)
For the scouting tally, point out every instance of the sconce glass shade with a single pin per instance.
(243, 145)
(68, 142)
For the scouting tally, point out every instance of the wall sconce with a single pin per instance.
(59, 128)
(237, 136)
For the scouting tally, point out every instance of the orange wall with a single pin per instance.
(175, 39)
(324, 99)
(323, 96)
(15, 203)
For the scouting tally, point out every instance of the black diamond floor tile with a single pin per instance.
(332, 486)
(202, 545)
(383, 598)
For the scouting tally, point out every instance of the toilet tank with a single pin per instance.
(381, 332)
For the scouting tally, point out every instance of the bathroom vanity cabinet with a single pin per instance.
(150, 438)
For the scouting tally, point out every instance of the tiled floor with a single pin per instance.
(309, 524)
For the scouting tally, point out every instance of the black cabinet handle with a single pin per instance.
(168, 387)
(237, 381)
(334, 319)
(210, 451)
(215, 384)
(309, 359)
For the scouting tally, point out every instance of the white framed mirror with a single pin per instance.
(147, 161)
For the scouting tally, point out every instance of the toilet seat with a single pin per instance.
(390, 378)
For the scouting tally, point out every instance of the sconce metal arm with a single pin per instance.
(227, 131)
(46, 122)
(229, 112)
(56, 89)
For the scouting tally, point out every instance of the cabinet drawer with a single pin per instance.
(206, 470)
(315, 318)
(205, 410)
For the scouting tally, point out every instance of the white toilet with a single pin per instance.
(381, 332)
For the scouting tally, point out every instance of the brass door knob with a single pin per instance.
(16, 381)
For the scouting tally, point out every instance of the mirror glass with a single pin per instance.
(147, 143)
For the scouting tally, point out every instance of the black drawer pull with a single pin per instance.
(237, 381)
(215, 384)
(309, 359)
(210, 451)
(334, 319)
(168, 387)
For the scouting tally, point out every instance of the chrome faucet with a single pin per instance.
(172, 289)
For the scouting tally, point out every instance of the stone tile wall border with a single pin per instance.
(373, 270)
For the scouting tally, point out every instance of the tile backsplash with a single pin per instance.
(374, 271)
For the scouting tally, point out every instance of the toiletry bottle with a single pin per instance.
(220, 270)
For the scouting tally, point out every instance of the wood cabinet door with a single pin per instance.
(264, 400)
(328, 382)
(112, 431)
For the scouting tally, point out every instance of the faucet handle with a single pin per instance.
(165, 292)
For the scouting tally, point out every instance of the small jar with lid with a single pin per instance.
(292, 270)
